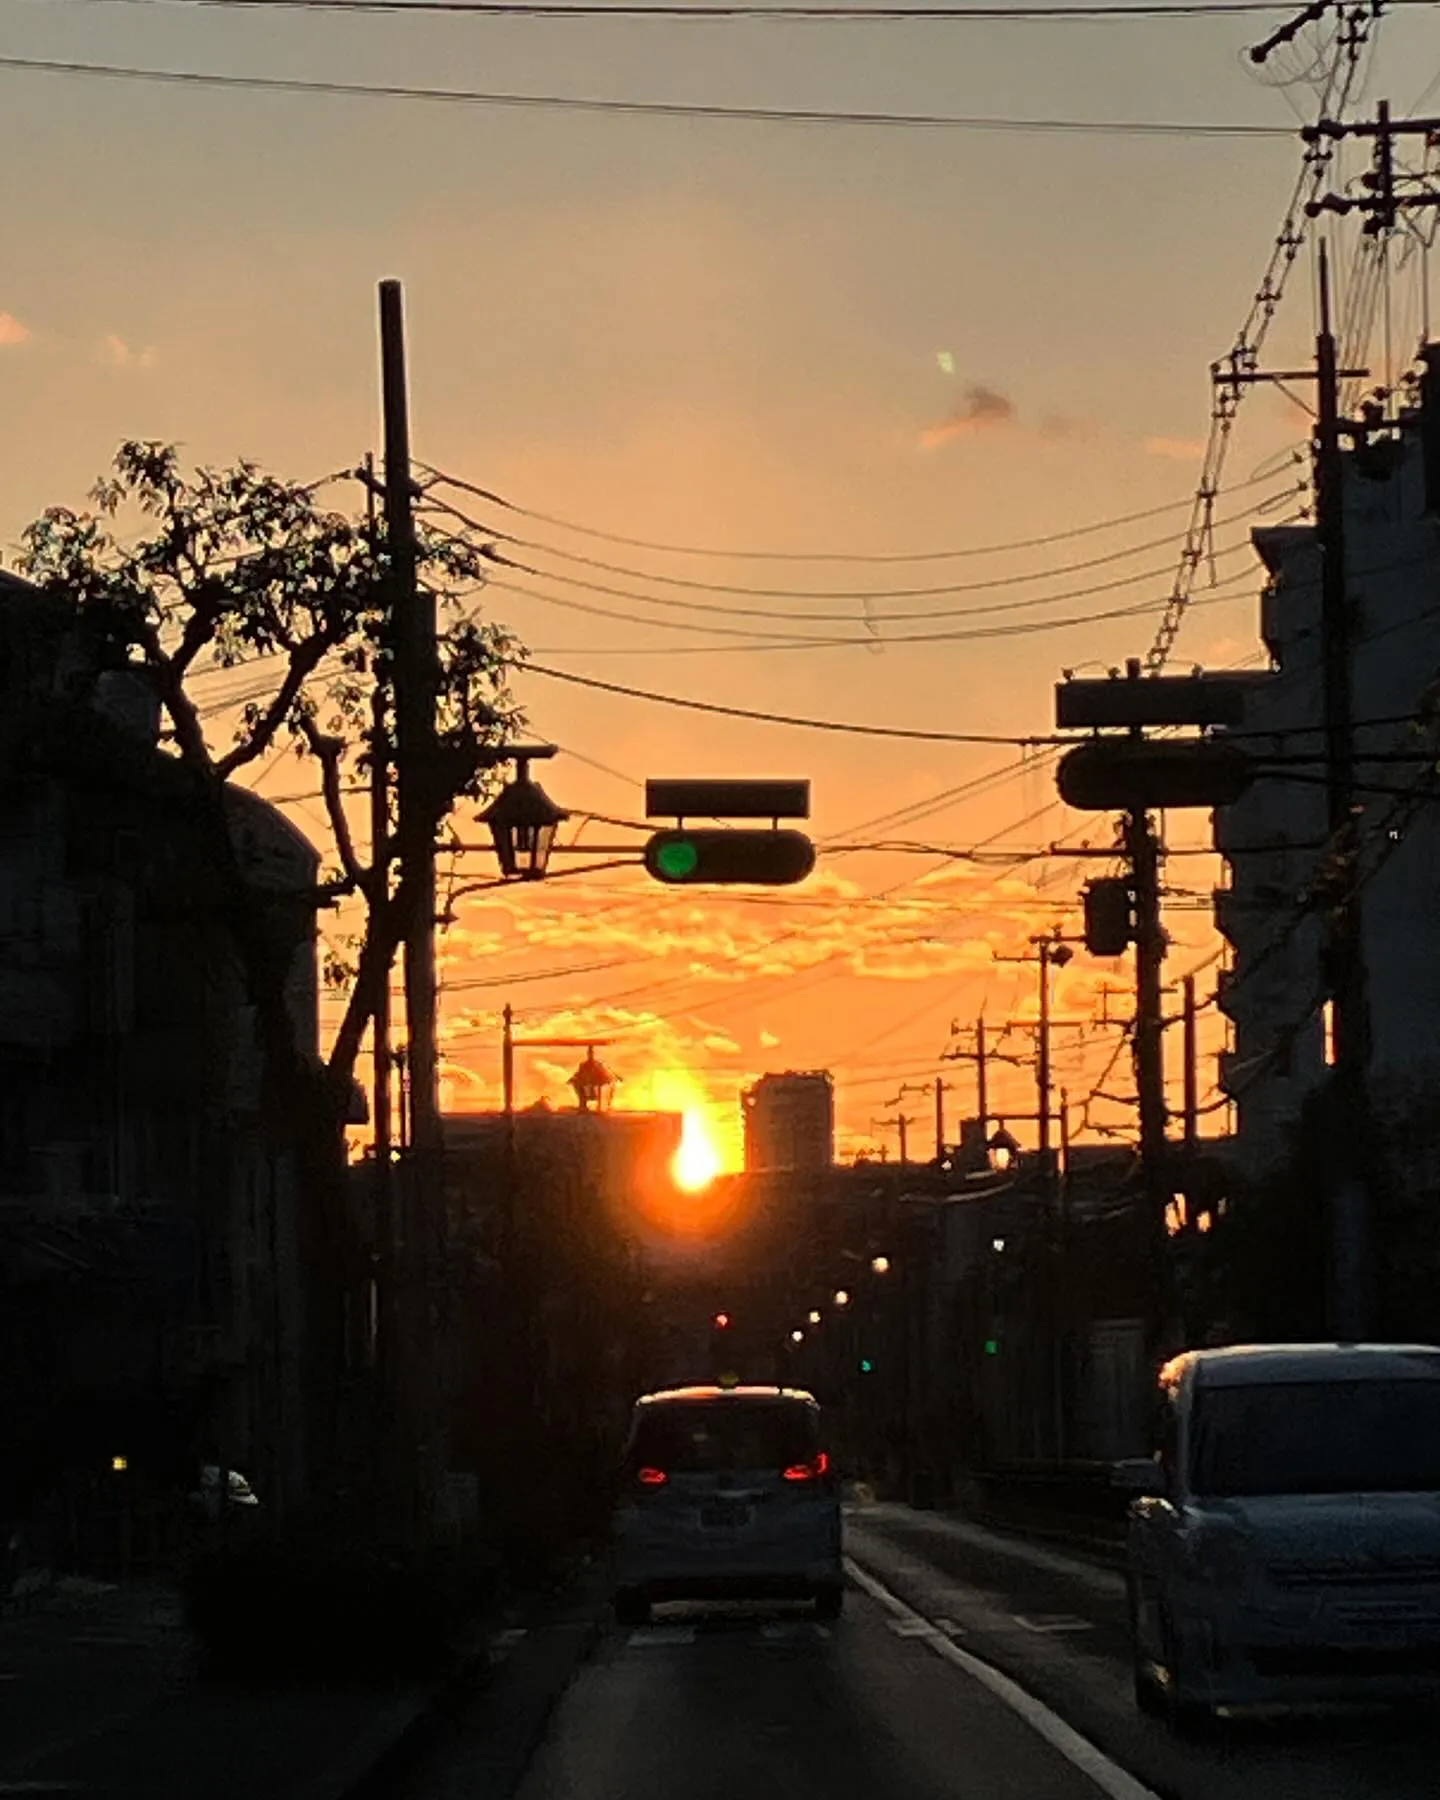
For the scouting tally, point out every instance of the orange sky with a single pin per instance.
(737, 337)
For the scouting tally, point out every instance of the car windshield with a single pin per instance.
(1316, 1437)
(707, 1437)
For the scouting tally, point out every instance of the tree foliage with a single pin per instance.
(239, 597)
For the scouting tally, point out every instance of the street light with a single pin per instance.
(523, 820)
(797, 1337)
(841, 1297)
(1002, 1149)
(814, 1318)
(880, 1264)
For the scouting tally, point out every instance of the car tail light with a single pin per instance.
(652, 1477)
(809, 1471)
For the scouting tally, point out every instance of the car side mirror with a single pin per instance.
(1139, 1477)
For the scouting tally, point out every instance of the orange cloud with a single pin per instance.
(12, 331)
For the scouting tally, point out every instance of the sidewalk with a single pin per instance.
(100, 1696)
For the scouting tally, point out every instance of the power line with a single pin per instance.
(1149, 10)
(857, 594)
(655, 109)
(752, 643)
(768, 718)
(895, 556)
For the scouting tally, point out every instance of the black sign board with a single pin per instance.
(1155, 700)
(727, 799)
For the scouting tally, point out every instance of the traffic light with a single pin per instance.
(1108, 905)
(714, 857)
(722, 1321)
(866, 1366)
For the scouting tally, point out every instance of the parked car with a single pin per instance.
(1284, 1539)
(727, 1491)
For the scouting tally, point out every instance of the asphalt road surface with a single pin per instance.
(714, 1702)
(969, 1665)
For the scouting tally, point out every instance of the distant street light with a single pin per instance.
(814, 1318)
(797, 1337)
(881, 1265)
(997, 1245)
(841, 1297)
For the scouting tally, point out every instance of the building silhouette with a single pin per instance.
(789, 1122)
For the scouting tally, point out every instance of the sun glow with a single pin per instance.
(697, 1161)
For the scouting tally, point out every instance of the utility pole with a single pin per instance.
(1051, 953)
(1191, 1054)
(939, 1120)
(902, 1122)
(416, 684)
(1143, 850)
(1349, 1222)
(416, 677)
(390, 1390)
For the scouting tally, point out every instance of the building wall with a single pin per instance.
(1271, 837)
(128, 1061)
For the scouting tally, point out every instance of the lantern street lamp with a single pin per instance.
(523, 820)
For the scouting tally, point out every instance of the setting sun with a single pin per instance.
(697, 1161)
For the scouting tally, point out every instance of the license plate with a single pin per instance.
(723, 1515)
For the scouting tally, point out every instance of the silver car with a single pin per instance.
(1284, 1542)
(728, 1492)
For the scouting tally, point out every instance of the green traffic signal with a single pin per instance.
(866, 1366)
(992, 1346)
(720, 858)
(677, 860)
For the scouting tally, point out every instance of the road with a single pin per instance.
(968, 1666)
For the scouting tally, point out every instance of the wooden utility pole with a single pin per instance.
(1143, 850)
(939, 1119)
(416, 684)
(1192, 1070)
(416, 677)
(1344, 955)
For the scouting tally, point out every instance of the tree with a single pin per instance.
(237, 570)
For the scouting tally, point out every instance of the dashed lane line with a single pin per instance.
(1113, 1781)
(1053, 1622)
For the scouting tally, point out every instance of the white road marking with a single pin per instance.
(1048, 1622)
(663, 1634)
(909, 1628)
(949, 1627)
(1113, 1781)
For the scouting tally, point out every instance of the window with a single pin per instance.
(714, 1436)
(1317, 1437)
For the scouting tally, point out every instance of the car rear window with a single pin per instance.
(711, 1436)
(1316, 1437)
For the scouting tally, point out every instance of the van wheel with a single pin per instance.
(1149, 1696)
(830, 1600)
(631, 1607)
(1186, 1717)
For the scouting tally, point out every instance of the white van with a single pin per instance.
(727, 1492)
(1284, 1542)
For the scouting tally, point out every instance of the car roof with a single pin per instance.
(1241, 1365)
(712, 1392)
